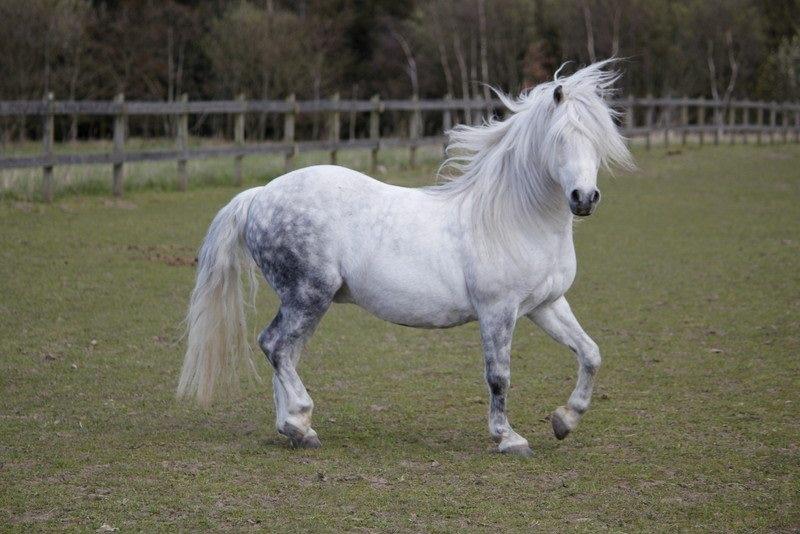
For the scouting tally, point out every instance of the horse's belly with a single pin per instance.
(409, 297)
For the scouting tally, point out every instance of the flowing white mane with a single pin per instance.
(502, 167)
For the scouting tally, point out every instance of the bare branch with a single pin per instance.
(587, 19)
(411, 63)
(484, 47)
(734, 66)
(462, 66)
(439, 37)
(615, 23)
(712, 69)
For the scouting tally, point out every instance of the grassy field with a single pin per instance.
(688, 278)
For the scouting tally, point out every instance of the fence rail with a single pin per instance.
(641, 117)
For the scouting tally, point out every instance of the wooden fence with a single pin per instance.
(666, 120)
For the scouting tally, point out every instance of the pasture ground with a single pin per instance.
(688, 279)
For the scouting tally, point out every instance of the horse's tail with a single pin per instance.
(216, 327)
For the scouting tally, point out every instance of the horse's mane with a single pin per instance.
(499, 169)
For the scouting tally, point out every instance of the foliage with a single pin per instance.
(271, 48)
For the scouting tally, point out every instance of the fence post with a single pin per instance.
(732, 122)
(479, 113)
(684, 119)
(743, 106)
(785, 122)
(447, 120)
(467, 110)
(288, 132)
(447, 115)
(797, 125)
(413, 132)
(666, 113)
(238, 139)
(48, 132)
(649, 121)
(334, 126)
(119, 147)
(73, 129)
(182, 143)
(351, 123)
(629, 119)
(375, 131)
(773, 119)
(744, 119)
(717, 121)
(701, 121)
(759, 123)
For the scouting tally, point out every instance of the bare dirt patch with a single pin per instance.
(172, 255)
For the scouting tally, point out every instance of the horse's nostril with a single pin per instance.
(575, 195)
(595, 196)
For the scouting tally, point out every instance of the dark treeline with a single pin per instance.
(148, 49)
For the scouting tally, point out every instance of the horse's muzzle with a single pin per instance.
(582, 202)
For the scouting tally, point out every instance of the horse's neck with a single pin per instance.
(543, 232)
(556, 228)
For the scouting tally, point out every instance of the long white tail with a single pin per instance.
(216, 322)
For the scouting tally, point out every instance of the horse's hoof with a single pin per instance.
(563, 422)
(518, 450)
(300, 439)
(560, 429)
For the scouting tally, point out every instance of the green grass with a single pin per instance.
(688, 279)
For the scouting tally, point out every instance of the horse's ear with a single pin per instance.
(558, 94)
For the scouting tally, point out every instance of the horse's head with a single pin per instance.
(576, 165)
(583, 136)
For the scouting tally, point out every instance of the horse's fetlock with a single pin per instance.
(579, 406)
(497, 431)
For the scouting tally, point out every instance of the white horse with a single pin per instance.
(491, 245)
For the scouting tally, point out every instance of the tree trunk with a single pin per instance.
(462, 67)
(587, 20)
(615, 30)
(484, 48)
(448, 74)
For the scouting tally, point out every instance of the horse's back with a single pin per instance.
(321, 185)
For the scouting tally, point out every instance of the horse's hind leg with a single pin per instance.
(282, 342)
(557, 320)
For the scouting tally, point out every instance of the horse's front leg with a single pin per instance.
(497, 329)
(557, 320)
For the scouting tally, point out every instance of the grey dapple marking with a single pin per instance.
(289, 246)
(492, 245)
